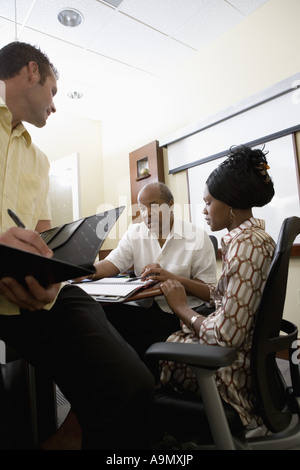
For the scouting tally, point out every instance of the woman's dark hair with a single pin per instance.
(242, 180)
(14, 56)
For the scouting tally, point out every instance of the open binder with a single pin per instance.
(18, 264)
(75, 247)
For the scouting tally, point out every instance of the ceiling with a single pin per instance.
(122, 46)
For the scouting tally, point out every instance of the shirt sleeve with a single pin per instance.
(122, 255)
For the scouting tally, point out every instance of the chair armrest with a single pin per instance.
(201, 355)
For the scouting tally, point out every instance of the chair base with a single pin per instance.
(172, 410)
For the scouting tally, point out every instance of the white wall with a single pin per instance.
(64, 135)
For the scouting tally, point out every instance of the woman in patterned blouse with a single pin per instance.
(233, 188)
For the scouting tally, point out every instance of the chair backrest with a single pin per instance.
(215, 244)
(268, 385)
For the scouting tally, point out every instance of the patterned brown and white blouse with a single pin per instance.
(246, 254)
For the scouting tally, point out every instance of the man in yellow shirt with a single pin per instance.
(59, 328)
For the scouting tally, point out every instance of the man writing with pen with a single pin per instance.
(161, 247)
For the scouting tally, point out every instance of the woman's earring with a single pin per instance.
(231, 215)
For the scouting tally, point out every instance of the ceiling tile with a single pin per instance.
(246, 6)
(126, 40)
(169, 54)
(85, 66)
(7, 9)
(216, 18)
(166, 16)
(7, 32)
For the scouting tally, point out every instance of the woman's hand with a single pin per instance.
(175, 294)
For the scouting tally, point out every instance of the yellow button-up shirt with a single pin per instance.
(24, 182)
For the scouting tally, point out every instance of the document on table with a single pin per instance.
(113, 289)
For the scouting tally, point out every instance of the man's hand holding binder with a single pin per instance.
(26, 240)
(31, 296)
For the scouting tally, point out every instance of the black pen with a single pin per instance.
(137, 278)
(15, 218)
(143, 278)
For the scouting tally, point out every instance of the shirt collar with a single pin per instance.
(2, 91)
(20, 129)
(250, 223)
(2, 103)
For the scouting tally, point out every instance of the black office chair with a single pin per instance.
(205, 309)
(191, 420)
(215, 244)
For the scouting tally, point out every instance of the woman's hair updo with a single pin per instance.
(242, 180)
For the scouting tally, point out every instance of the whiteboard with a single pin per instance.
(274, 111)
(283, 171)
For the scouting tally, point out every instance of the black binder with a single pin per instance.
(75, 246)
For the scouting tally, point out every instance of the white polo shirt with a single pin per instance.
(187, 252)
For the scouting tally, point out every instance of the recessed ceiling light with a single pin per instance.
(70, 17)
(75, 95)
